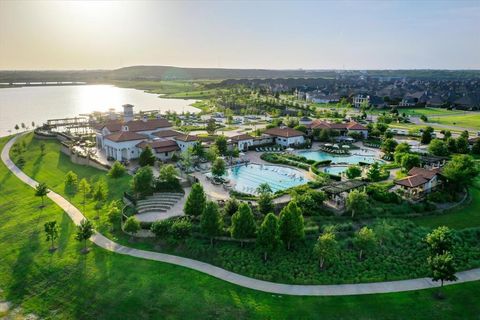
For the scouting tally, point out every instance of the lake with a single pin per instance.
(27, 104)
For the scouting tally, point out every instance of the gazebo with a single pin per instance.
(337, 192)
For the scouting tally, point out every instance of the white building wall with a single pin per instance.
(124, 150)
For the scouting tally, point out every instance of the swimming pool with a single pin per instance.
(355, 157)
(335, 170)
(246, 178)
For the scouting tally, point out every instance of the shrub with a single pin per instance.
(117, 170)
(161, 228)
(181, 229)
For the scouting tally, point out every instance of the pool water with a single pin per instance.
(246, 178)
(355, 157)
(336, 170)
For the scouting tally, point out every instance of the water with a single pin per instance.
(246, 179)
(336, 170)
(356, 157)
(27, 104)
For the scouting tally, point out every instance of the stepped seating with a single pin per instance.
(158, 202)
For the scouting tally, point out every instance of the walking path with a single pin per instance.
(277, 288)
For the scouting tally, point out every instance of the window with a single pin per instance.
(166, 154)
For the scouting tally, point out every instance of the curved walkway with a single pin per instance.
(277, 288)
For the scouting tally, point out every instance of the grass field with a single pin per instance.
(102, 285)
(471, 120)
(465, 217)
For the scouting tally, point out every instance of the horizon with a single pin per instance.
(328, 35)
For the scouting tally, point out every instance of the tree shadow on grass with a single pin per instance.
(23, 267)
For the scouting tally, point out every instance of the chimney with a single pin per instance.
(127, 112)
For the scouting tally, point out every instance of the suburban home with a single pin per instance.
(342, 128)
(419, 182)
(374, 101)
(286, 137)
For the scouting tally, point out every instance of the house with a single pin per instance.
(162, 149)
(121, 145)
(419, 182)
(241, 141)
(319, 97)
(305, 121)
(342, 128)
(185, 141)
(286, 137)
(374, 101)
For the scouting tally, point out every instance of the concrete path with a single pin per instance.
(271, 287)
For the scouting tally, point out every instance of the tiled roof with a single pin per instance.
(284, 132)
(125, 136)
(160, 145)
(241, 137)
(136, 125)
(320, 124)
(355, 126)
(167, 133)
(186, 137)
(412, 181)
(427, 174)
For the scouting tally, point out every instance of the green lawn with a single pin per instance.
(465, 217)
(103, 285)
(471, 120)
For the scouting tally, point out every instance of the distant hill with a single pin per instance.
(179, 73)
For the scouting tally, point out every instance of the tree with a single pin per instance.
(364, 240)
(460, 171)
(427, 135)
(211, 221)
(323, 135)
(402, 148)
(51, 232)
(17, 127)
(231, 206)
(326, 247)
(161, 228)
(353, 171)
(114, 214)
(169, 174)
(212, 153)
(142, 182)
(268, 235)
(264, 188)
(100, 192)
(71, 183)
(452, 145)
(291, 224)
(389, 145)
(84, 188)
(195, 203)
(211, 126)
(374, 173)
(442, 267)
(117, 170)
(440, 240)
(383, 231)
(357, 202)
(243, 224)
(186, 158)
(218, 168)
(41, 190)
(476, 147)
(147, 158)
(462, 145)
(265, 203)
(84, 232)
(198, 150)
(409, 160)
(131, 225)
(438, 147)
(42, 149)
(221, 143)
(446, 135)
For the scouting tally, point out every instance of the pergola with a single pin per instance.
(338, 191)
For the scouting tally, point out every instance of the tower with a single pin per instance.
(127, 112)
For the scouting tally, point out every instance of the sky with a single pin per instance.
(42, 35)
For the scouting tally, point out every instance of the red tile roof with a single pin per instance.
(167, 133)
(412, 181)
(427, 174)
(320, 124)
(284, 132)
(160, 145)
(241, 137)
(125, 136)
(135, 125)
(186, 137)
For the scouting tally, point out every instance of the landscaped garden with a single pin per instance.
(395, 250)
